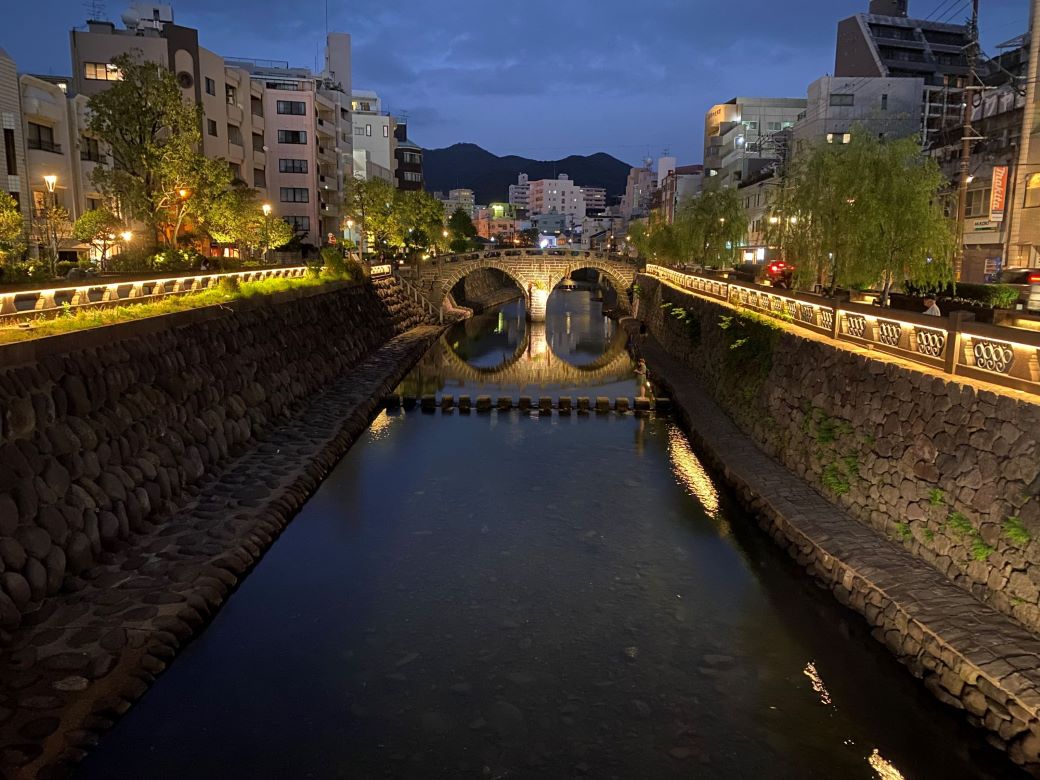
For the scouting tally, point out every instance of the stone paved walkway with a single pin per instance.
(90, 652)
(970, 655)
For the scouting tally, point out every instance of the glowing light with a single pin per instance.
(127, 236)
(690, 473)
(380, 427)
(50, 181)
(266, 208)
(817, 683)
(883, 767)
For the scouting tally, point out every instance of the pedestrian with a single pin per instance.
(932, 308)
(643, 377)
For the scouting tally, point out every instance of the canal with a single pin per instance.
(515, 596)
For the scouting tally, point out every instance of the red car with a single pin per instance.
(780, 274)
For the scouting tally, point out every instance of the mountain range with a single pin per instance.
(489, 176)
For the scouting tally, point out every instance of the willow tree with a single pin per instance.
(862, 214)
(12, 229)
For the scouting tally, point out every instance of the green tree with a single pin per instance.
(372, 205)
(158, 177)
(421, 220)
(862, 214)
(12, 229)
(712, 225)
(100, 228)
(461, 231)
(48, 230)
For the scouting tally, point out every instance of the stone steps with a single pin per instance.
(545, 405)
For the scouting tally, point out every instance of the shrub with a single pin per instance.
(333, 261)
(130, 261)
(229, 285)
(62, 267)
(997, 296)
(176, 260)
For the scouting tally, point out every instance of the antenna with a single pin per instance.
(96, 10)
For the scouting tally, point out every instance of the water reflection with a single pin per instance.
(576, 350)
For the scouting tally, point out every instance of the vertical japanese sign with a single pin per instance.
(998, 199)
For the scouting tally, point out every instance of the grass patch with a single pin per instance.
(936, 497)
(835, 480)
(1016, 532)
(980, 551)
(904, 531)
(72, 320)
(929, 535)
(960, 524)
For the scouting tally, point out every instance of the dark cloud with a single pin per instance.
(542, 78)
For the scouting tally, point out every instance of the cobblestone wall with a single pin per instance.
(948, 470)
(99, 438)
(488, 287)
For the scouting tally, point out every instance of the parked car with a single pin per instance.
(780, 274)
(1027, 280)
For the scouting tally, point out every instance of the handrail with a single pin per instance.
(954, 345)
(92, 293)
(419, 298)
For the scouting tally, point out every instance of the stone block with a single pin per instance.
(545, 405)
(602, 404)
(505, 403)
(525, 403)
(429, 403)
(564, 404)
(621, 405)
(447, 403)
(583, 404)
(483, 403)
(465, 404)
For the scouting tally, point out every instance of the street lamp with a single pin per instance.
(266, 208)
(51, 180)
(127, 236)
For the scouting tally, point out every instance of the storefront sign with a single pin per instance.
(999, 197)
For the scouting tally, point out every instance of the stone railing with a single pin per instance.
(22, 304)
(435, 314)
(954, 345)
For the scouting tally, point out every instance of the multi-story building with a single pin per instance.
(283, 131)
(14, 166)
(679, 184)
(373, 129)
(757, 197)
(886, 43)
(740, 136)
(595, 199)
(459, 199)
(408, 157)
(520, 193)
(886, 107)
(639, 190)
(557, 196)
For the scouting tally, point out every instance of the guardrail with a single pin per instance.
(507, 253)
(95, 293)
(954, 345)
(416, 295)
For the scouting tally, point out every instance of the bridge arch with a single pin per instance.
(464, 269)
(607, 271)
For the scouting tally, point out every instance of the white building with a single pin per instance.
(373, 129)
(595, 198)
(520, 193)
(738, 136)
(889, 107)
(639, 190)
(460, 198)
(557, 196)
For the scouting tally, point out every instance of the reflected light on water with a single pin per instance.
(690, 473)
(380, 426)
(817, 682)
(883, 767)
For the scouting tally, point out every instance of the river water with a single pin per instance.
(515, 596)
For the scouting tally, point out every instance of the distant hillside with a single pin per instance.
(489, 176)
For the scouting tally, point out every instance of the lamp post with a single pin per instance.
(51, 180)
(266, 208)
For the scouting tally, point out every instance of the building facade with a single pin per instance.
(557, 196)
(520, 193)
(14, 165)
(679, 184)
(408, 157)
(595, 199)
(741, 136)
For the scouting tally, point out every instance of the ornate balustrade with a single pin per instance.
(954, 345)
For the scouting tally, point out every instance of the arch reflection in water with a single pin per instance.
(576, 351)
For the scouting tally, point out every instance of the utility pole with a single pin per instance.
(967, 137)
(1025, 143)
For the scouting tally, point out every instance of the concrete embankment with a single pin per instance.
(144, 468)
(911, 496)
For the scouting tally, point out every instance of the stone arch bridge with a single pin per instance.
(535, 271)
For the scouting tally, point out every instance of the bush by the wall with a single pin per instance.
(997, 296)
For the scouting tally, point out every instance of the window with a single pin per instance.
(411, 176)
(977, 203)
(412, 157)
(386, 131)
(292, 166)
(93, 204)
(101, 71)
(9, 152)
(295, 195)
(359, 130)
(838, 99)
(884, 102)
(256, 106)
(292, 136)
(299, 224)
(773, 126)
(751, 125)
(839, 138)
(1032, 191)
(39, 201)
(229, 93)
(211, 127)
(368, 130)
(234, 135)
(89, 149)
(294, 107)
(259, 178)
(42, 137)
(211, 86)
(258, 142)
(236, 171)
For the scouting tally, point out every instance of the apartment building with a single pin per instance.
(14, 168)
(739, 136)
(408, 159)
(557, 196)
(595, 199)
(679, 184)
(520, 193)
(373, 129)
(460, 199)
(639, 190)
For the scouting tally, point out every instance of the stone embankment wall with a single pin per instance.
(486, 288)
(946, 469)
(102, 430)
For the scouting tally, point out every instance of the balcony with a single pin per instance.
(94, 157)
(235, 114)
(44, 146)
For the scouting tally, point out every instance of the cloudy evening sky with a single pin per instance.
(541, 78)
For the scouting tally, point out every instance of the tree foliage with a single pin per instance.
(159, 176)
(49, 230)
(707, 230)
(864, 213)
(12, 228)
(100, 228)
(461, 231)
(394, 221)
